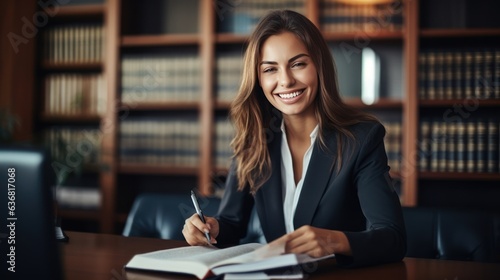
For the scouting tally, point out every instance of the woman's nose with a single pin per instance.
(286, 78)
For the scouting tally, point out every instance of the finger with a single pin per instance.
(198, 223)
(192, 234)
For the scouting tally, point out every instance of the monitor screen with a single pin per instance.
(27, 236)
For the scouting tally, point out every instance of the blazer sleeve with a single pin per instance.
(384, 239)
(234, 212)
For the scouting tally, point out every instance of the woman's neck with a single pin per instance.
(299, 128)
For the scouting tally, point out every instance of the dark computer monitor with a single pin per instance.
(27, 239)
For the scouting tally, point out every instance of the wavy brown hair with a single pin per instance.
(253, 116)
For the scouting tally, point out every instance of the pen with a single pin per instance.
(200, 214)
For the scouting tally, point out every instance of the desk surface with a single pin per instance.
(90, 256)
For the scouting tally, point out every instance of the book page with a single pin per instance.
(201, 254)
(181, 252)
(272, 249)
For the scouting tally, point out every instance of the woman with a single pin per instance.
(315, 169)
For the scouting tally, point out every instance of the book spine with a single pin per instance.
(422, 66)
(496, 79)
(458, 75)
(425, 151)
(461, 154)
(478, 74)
(493, 146)
(442, 147)
(487, 81)
(468, 74)
(481, 146)
(434, 144)
(431, 76)
(471, 147)
(448, 74)
(451, 151)
(439, 75)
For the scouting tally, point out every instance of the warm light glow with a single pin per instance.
(365, 2)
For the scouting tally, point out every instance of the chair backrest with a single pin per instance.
(452, 234)
(163, 216)
(28, 243)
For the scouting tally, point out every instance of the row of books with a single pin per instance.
(74, 43)
(229, 70)
(73, 147)
(172, 141)
(224, 133)
(242, 16)
(459, 73)
(75, 94)
(172, 76)
(392, 142)
(160, 140)
(342, 16)
(471, 146)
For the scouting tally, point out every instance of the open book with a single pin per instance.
(204, 261)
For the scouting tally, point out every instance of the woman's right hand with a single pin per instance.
(194, 230)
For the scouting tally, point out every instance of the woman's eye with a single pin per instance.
(298, 64)
(269, 70)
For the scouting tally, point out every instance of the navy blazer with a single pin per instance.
(359, 199)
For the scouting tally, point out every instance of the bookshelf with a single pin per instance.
(139, 34)
(455, 97)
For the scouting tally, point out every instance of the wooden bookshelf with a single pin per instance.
(51, 66)
(160, 40)
(460, 33)
(89, 11)
(467, 176)
(161, 106)
(77, 118)
(451, 102)
(362, 35)
(206, 43)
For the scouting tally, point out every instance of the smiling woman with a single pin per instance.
(315, 168)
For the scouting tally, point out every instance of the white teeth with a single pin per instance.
(290, 95)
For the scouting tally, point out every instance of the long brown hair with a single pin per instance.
(255, 119)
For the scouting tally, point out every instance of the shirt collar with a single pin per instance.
(313, 134)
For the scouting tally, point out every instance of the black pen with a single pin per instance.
(200, 214)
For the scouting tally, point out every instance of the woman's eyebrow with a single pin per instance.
(290, 60)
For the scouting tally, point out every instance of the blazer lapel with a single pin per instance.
(318, 174)
(271, 194)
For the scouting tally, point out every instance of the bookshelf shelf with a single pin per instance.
(81, 11)
(222, 105)
(228, 38)
(60, 118)
(363, 35)
(452, 102)
(137, 168)
(161, 106)
(160, 40)
(460, 32)
(51, 66)
(469, 176)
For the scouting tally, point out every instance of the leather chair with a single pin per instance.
(163, 215)
(452, 234)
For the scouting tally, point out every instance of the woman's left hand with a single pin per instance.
(316, 242)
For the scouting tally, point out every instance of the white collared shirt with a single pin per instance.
(291, 193)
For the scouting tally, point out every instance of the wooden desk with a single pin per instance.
(90, 256)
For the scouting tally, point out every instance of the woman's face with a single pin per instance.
(288, 75)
